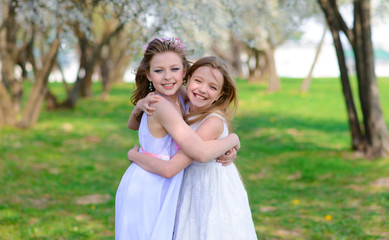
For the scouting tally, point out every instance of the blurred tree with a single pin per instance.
(45, 23)
(372, 136)
(116, 57)
(264, 25)
(10, 89)
(308, 79)
(40, 22)
(92, 42)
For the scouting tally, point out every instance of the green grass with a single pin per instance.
(303, 181)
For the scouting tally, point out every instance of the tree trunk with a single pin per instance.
(10, 89)
(358, 142)
(375, 126)
(8, 44)
(374, 141)
(112, 70)
(274, 80)
(90, 55)
(65, 84)
(257, 74)
(7, 111)
(39, 90)
(236, 51)
(51, 100)
(307, 81)
(86, 88)
(75, 92)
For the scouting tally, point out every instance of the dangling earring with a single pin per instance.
(151, 87)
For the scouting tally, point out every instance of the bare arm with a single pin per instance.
(191, 143)
(209, 130)
(142, 105)
(158, 166)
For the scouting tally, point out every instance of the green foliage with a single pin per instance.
(58, 180)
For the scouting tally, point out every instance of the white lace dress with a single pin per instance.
(213, 203)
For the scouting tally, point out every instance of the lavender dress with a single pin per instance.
(146, 203)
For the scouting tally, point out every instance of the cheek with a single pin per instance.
(217, 96)
(189, 85)
(152, 76)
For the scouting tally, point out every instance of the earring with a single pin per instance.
(151, 87)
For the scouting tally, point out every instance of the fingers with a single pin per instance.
(148, 110)
(151, 98)
(227, 158)
(136, 148)
(225, 162)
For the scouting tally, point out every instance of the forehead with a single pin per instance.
(165, 59)
(209, 74)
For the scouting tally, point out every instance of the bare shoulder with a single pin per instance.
(166, 113)
(162, 102)
(214, 121)
(211, 128)
(162, 106)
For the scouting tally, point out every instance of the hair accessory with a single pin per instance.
(175, 41)
(151, 87)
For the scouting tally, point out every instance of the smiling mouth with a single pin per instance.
(168, 85)
(199, 97)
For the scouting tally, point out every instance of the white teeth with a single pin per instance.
(168, 85)
(200, 97)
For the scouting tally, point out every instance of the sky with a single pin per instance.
(295, 60)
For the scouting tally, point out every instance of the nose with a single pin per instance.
(168, 75)
(202, 88)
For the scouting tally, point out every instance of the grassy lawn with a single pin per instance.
(58, 180)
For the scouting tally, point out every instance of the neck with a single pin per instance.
(193, 109)
(173, 99)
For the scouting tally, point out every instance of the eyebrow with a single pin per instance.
(174, 65)
(214, 81)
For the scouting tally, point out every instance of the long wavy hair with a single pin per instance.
(156, 46)
(227, 102)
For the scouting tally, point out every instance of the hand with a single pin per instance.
(134, 149)
(144, 103)
(228, 157)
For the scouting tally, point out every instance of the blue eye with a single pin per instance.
(175, 69)
(158, 71)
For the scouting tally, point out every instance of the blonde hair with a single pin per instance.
(157, 45)
(227, 102)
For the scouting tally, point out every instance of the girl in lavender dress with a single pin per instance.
(146, 203)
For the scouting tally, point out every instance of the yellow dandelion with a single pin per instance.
(296, 202)
(93, 207)
(328, 217)
(291, 220)
(272, 119)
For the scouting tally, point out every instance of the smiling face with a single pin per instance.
(166, 73)
(204, 87)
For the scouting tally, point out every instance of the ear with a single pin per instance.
(148, 76)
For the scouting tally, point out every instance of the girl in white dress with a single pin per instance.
(146, 203)
(213, 202)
